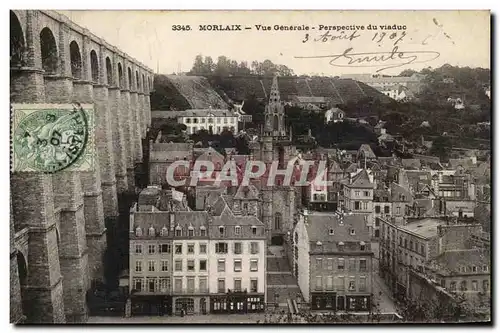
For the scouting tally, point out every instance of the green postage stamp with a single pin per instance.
(52, 137)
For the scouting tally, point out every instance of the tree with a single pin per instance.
(209, 65)
(223, 66)
(407, 72)
(198, 66)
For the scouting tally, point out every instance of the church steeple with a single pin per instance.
(274, 96)
(275, 113)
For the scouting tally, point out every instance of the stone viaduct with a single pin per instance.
(57, 224)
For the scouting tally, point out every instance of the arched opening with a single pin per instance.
(76, 60)
(58, 239)
(144, 84)
(203, 305)
(137, 82)
(277, 221)
(129, 78)
(150, 84)
(275, 123)
(17, 45)
(109, 71)
(120, 75)
(48, 49)
(94, 66)
(22, 269)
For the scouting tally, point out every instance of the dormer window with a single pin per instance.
(331, 232)
(151, 231)
(341, 246)
(352, 232)
(178, 231)
(221, 231)
(190, 231)
(362, 246)
(254, 230)
(203, 231)
(319, 246)
(164, 231)
(138, 232)
(237, 230)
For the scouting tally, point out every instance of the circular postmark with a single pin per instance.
(51, 140)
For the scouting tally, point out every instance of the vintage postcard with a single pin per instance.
(257, 167)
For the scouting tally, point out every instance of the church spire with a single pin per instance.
(274, 96)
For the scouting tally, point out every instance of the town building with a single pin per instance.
(358, 196)
(412, 246)
(333, 261)
(334, 115)
(212, 120)
(162, 155)
(236, 261)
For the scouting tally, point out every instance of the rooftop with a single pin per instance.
(426, 228)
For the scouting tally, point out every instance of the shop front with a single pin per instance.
(358, 302)
(323, 301)
(237, 302)
(151, 305)
(187, 305)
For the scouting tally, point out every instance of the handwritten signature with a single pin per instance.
(386, 60)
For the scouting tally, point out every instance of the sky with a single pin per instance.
(459, 38)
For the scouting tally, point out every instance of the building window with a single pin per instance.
(340, 283)
(485, 268)
(190, 284)
(203, 265)
(202, 120)
(220, 247)
(221, 265)
(362, 283)
(329, 283)
(352, 264)
(138, 232)
(203, 248)
(340, 265)
(352, 232)
(151, 248)
(237, 284)
(237, 230)
(254, 265)
(221, 285)
(331, 232)
(178, 232)
(352, 283)
(178, 265)
(319, 263)
(398, 210)
(164, 248)
(238, 248)
(254, 284)
(362, 247)
(365, 205)
(486, 286)
(362, 265)
(357, 205)
(151, 232)
(164, 265)
(386, 210)
(277, 221)
(237, 265)
(463, 286)
(178, 248)
(356, 193)
(254, 248)
(190, 248)
(164, 232)
(377, 209)
(190, 232)
(195, 120)
(474, 285)
(151, 285)
(221, 231)
(329, 264)
(138, 284)
(474, 269)
(151, 265)
(178, 284)
(319, 283)
(188, 120)
(138, 248)
(164, 284)
(138, 266)
(254, 230)
(453, 286)
(203, 231)
(366, 193)
(202, 281)
(190, 265)
(406, 243)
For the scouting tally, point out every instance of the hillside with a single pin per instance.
(184, 92)
(339, 91)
